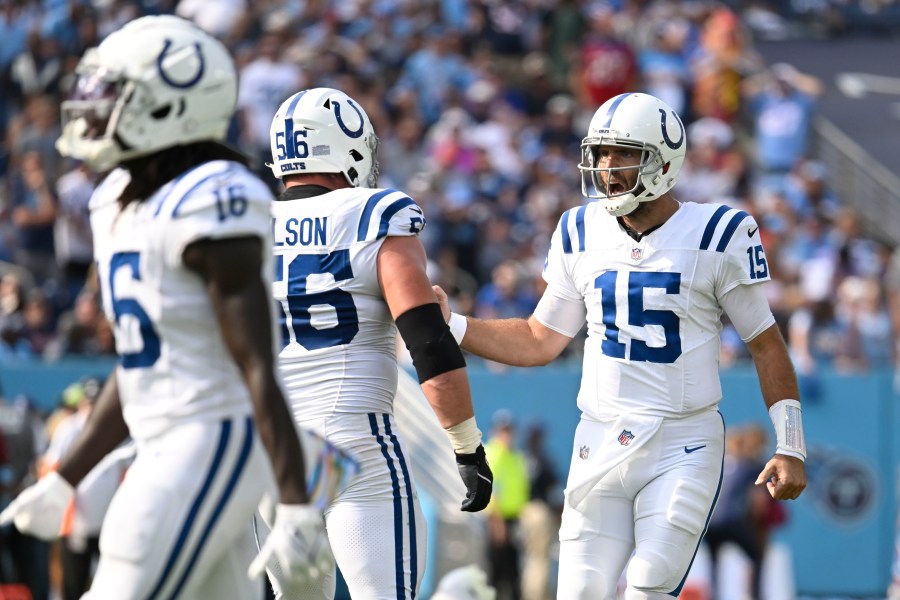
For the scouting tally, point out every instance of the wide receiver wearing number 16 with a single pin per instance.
(181, 234)
(651, 276)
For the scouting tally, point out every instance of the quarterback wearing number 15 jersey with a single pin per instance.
(652, 305)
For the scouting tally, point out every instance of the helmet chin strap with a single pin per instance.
(621, 205)
(102, 156)
(625, 204)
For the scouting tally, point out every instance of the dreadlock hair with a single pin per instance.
(151, 172)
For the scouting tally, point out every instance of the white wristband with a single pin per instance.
(464, 437)
(787, 419)
(458, 325)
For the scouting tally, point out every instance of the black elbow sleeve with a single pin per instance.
(429, 341)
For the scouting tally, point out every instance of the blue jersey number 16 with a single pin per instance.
(124, 306)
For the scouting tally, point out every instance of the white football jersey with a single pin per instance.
(173, 363)
(339, 341)
(653, 313)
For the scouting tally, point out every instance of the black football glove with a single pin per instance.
(478, 479)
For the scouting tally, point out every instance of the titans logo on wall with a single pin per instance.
(844, 488)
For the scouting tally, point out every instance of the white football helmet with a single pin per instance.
(157, 82)
(323, 130)
(636, 121)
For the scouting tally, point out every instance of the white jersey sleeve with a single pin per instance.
(389, 213)
(744, 259)
(222, 204)
(569, 231)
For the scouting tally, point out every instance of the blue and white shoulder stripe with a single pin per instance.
(175, 198)
(378, 211)
(571, 226)
(720, 228)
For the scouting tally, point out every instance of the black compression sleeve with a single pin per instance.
(429, 341)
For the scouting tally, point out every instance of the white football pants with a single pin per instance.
(177, 528)
(376, 528)
(655, 504)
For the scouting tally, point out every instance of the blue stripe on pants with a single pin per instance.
(398, 508)
(413, 559)
(246, 446)
(224, 435)
(677, 591)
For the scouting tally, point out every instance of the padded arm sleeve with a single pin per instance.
(429, 341)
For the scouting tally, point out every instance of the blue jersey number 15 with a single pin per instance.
(639, 316)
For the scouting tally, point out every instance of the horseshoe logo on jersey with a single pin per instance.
(191, 81)
(666, 138)
(337, 114)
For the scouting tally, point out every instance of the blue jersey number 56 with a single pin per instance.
(297, 319)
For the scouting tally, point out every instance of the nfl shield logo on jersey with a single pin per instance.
(583, 452)
(637, 253)
(625, 437)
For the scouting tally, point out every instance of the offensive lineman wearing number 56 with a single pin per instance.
(651, 276)
(350, 274)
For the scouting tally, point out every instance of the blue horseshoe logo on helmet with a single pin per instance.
(669, 142)
(340, 122)
(180, 84)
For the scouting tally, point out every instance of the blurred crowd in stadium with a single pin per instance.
(480, 106)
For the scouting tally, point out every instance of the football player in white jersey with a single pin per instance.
(350, 274)
(181, 232)
(651, 276)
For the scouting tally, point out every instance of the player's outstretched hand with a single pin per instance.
(443, 300)
(297, 547)
(784, 476)
(478, 479)
(39, 510)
